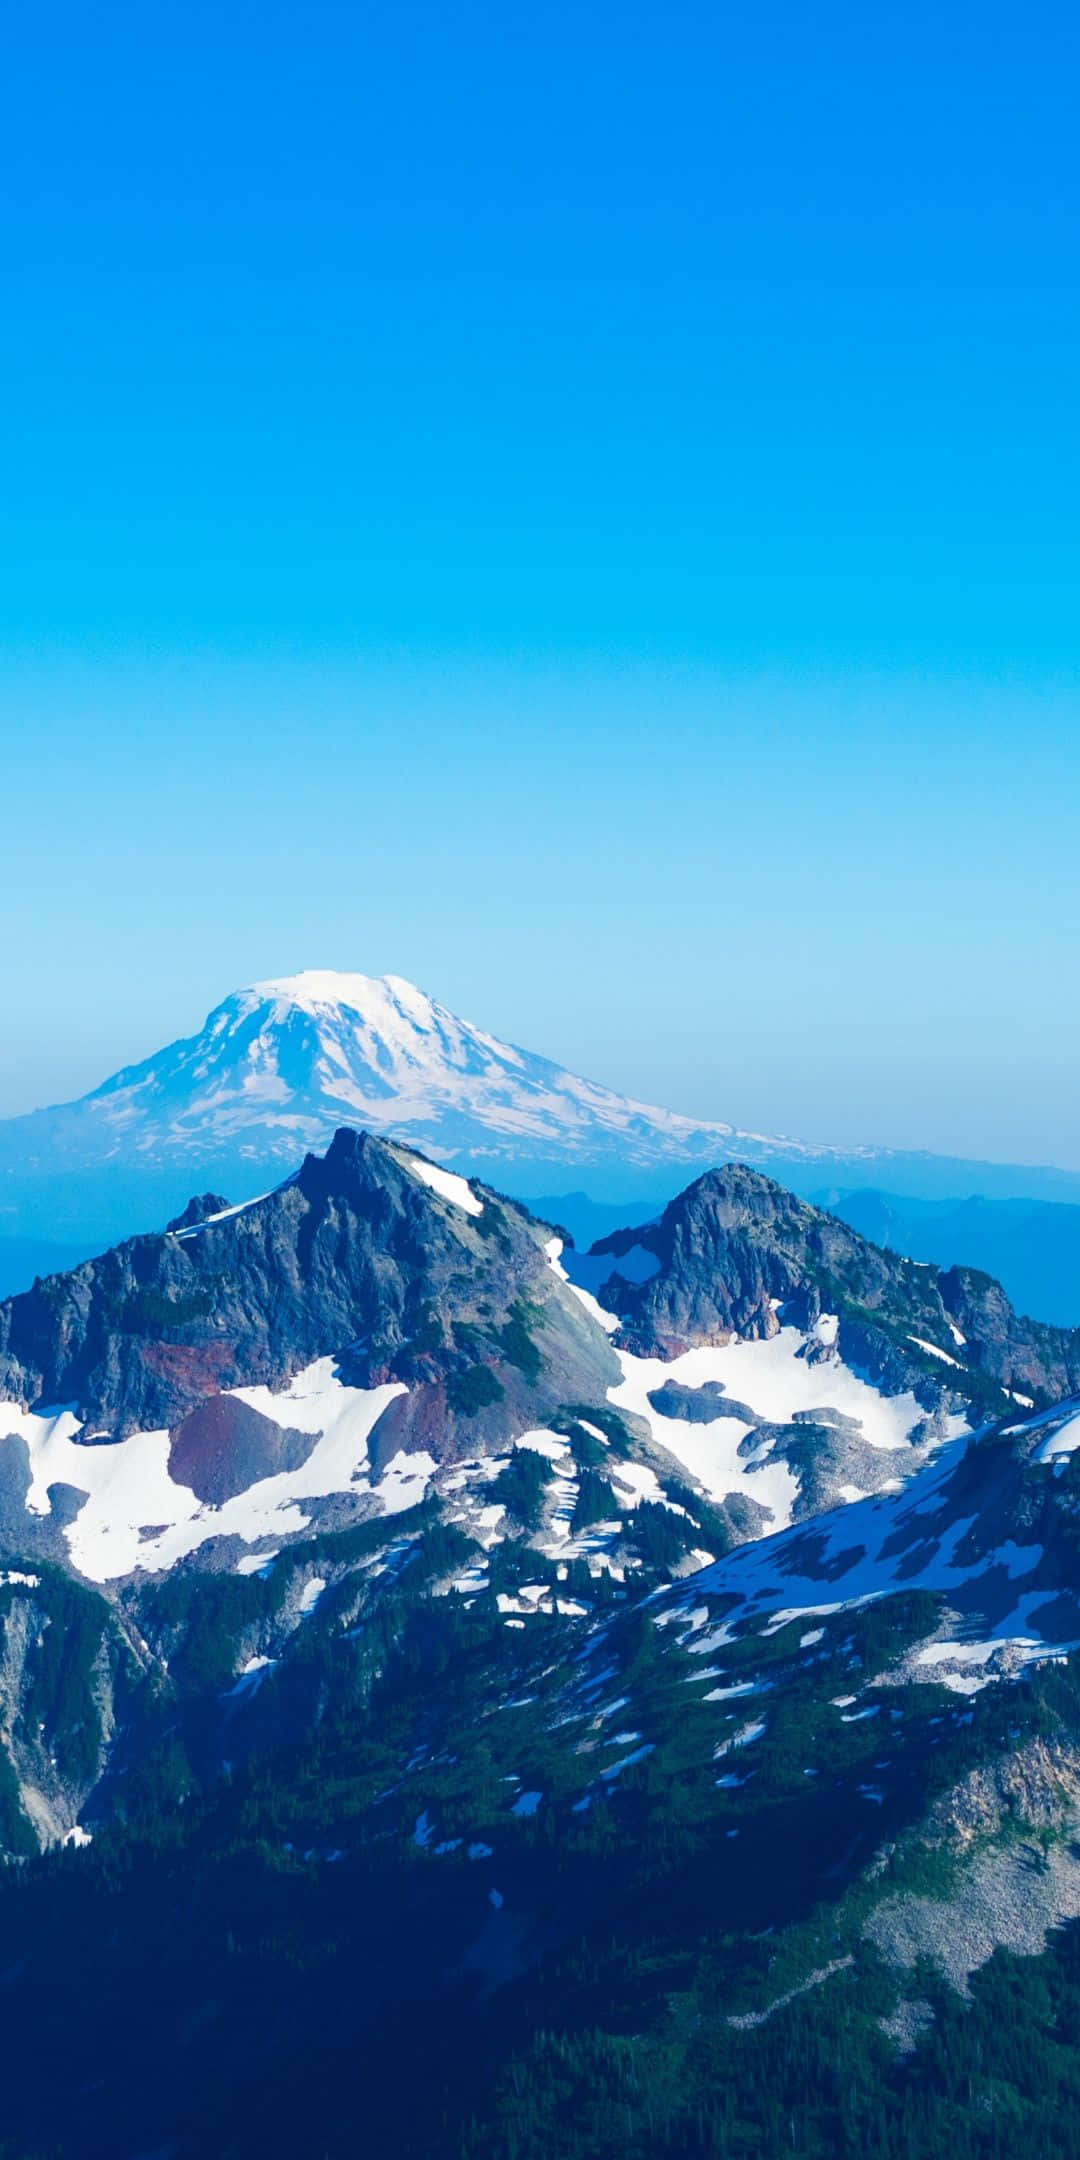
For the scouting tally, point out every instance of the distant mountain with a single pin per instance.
(279, 1066)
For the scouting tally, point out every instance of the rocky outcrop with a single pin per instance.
(198, 1210)
(70, 1674)
(735, 1249)
(1026, 1356)
(1038, 1786)
(355, 1257)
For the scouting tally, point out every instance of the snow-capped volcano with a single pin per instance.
(279, 1066)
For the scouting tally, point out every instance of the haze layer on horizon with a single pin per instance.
(578, 513)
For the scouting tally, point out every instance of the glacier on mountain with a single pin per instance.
(278, 1066)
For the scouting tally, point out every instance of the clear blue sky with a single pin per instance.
(576, 505)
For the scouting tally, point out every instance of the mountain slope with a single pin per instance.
(712, 1873)
(313, 1356)
(735, 1242)
(271, 1410)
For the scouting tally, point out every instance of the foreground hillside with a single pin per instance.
(754, 1866)
(556, 1704)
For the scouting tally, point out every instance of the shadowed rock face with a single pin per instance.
(198, 1209)
(734, 1242)
(701, 1405)
(224, 1446)
(355, 1258)
(728, 1246)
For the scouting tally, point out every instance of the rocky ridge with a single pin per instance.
(735, 1245)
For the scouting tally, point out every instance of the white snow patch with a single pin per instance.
(745, 1736)
(405, 1479)
(551, 1445)
(129, 1488)
(798, 1612)
(970, 1653)
(1022, 1650)
(638, 1483)
(446, 1183)
(932, 1350)
(775, 1380)
(856, 1552)
(1061, 1442)
(251, 1676)
(710, 1452)
(256, 1563)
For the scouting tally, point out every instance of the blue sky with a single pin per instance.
(573, 505)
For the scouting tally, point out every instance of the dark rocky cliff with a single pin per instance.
(354, 1257)
(734, 1242)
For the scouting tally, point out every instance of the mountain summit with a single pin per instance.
(276, 1068)
(279, 1066)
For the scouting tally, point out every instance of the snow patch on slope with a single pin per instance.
(710, 1452)
(908, 1540)
(136, 1517)
(445, 1182)
(773, 1377)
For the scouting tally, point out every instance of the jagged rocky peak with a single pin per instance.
(736, 1253)
(378, 1323)
(369, 1254)
(733, 1244)
(202, 1207)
